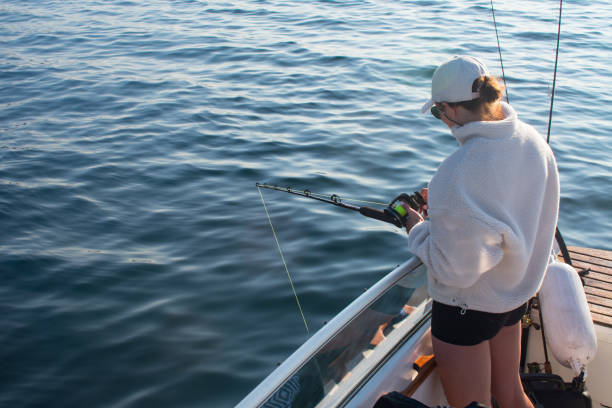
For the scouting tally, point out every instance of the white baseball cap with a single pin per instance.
(452, 81)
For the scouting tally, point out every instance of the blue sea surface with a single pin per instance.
(138, 266)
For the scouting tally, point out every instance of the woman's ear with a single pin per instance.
(450, 115)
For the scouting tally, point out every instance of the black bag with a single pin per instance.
(551, 391)
(398, 400)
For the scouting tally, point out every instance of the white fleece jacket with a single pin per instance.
(493, 207)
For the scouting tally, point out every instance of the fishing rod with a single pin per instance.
(558, 236)
(393, 213)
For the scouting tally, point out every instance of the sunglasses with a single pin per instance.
(435, 111)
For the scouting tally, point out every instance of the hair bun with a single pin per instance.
(490, 89)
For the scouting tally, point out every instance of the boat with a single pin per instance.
(377, 344)
(379, 347)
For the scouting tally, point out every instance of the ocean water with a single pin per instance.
(138, 266)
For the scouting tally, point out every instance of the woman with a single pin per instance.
(492, 211)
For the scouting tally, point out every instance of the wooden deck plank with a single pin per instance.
(579, 265)
(590, 290)
(586, 261)
(600, 277)
(601, 301)
(591, 281)
(599, 253)
(600, 309)
(601, 319)
(591, 260)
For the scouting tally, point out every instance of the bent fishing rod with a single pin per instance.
(393, 213)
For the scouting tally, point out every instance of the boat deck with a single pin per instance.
(597, 281)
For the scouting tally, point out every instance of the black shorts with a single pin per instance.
(472, 327)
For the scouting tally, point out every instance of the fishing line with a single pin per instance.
(394, 214)
(552, 97)
(501, 62)
(560, 240)
(283, 259)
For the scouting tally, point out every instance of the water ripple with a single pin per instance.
(139, 265)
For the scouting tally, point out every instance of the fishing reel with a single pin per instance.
(395, 209)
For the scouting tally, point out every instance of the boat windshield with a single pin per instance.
(357, 346)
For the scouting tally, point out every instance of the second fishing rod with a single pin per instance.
(393, 213)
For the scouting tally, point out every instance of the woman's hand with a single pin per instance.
(423, 208)
(411, 218)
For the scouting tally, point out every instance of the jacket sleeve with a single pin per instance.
(456, 248)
